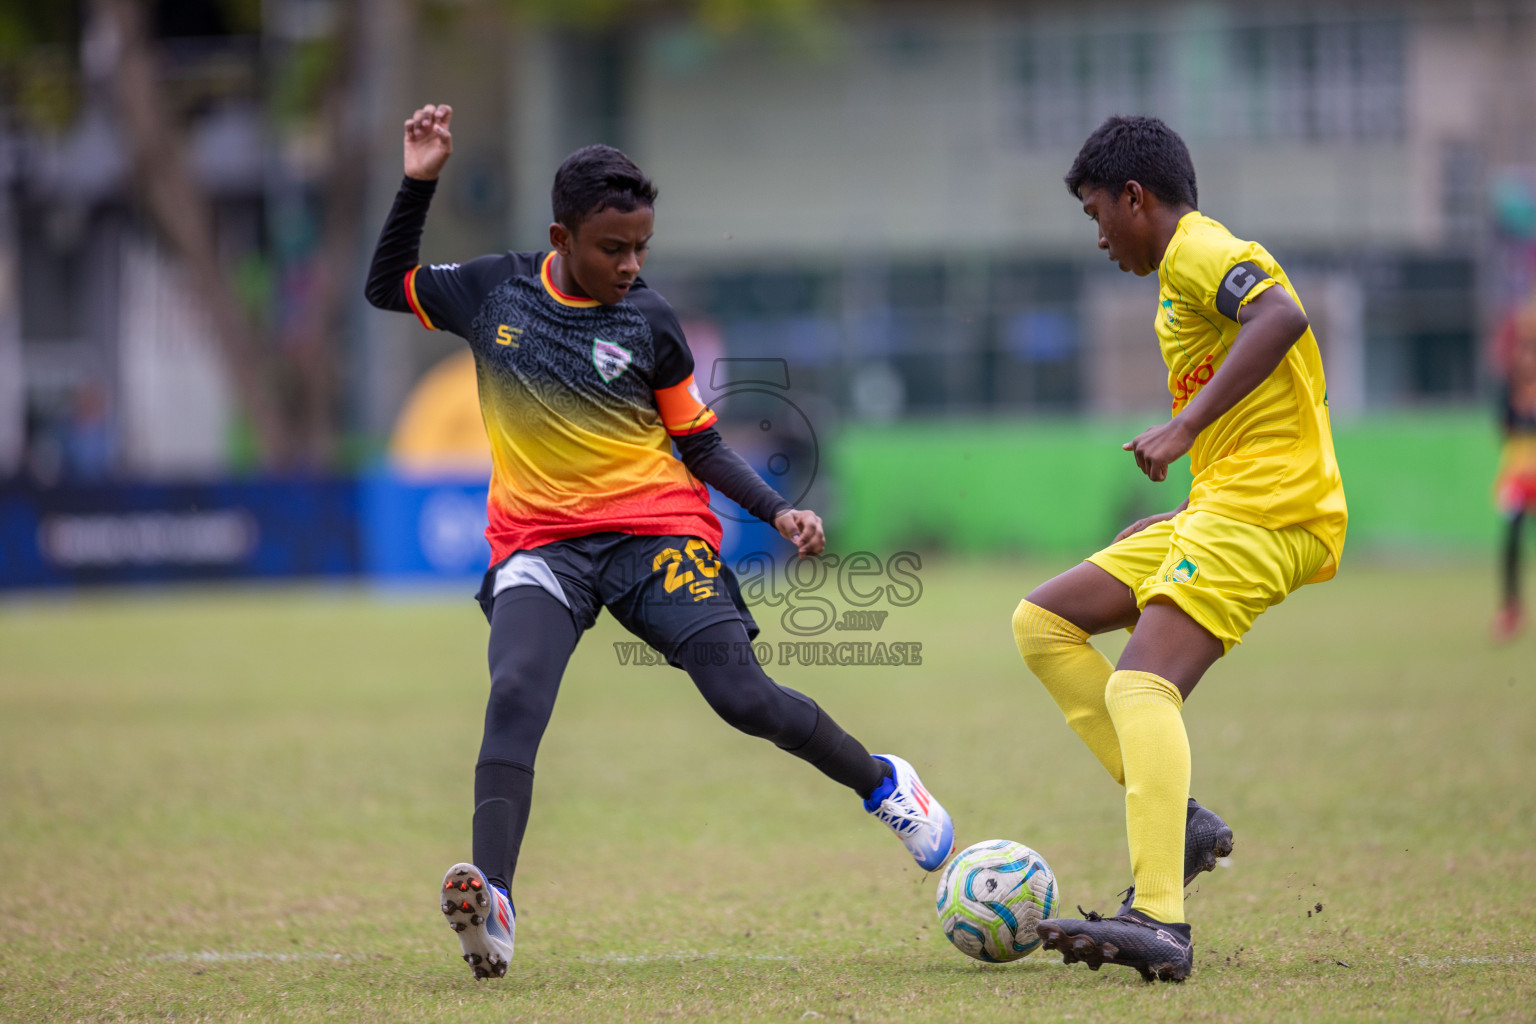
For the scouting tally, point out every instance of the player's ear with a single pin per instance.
(1133, 196)
(560, 239)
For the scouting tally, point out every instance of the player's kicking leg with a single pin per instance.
(706, 630)
(743, 694)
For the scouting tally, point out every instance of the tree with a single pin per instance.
(287, 386)
(288, 376)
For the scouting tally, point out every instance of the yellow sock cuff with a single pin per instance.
(1038, 631)
(1129, 689)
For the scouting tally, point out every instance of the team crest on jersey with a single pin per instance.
(611, 360)
(1184, 572)
(1169, 316)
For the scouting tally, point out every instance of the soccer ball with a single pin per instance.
(991, 898)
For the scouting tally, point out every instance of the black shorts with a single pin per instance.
(662, 589)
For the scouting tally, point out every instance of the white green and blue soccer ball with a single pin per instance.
(992, 896)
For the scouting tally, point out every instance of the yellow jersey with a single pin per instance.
(1269, 459)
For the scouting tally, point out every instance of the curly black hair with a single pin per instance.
(594, 178)
(1139, 149)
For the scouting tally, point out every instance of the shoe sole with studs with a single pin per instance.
(466, 902)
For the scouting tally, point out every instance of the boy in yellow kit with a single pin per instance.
(1265, 515)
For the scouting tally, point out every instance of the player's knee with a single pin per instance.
(747, 705)
(1038, 632)
(1025, 634)
(517, 694)
(1127, 691)
(750, 712)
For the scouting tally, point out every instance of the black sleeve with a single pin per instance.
(445, 297)
(399, 245)
(709, 458)
(674, 360)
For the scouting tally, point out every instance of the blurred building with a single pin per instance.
(889, 210)
(874, 197)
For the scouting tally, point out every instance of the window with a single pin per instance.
(1335, 77)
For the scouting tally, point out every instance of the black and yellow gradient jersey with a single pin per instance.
(580, 400)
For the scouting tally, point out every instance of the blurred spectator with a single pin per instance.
(1515, 489)
(90, 444)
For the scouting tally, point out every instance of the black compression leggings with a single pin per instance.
(1511, 565)
(532, 638)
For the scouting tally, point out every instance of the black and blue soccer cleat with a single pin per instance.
(902, 804)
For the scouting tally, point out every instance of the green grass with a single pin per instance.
(260, 788)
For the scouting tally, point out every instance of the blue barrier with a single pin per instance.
(415, 531)
(381, 526)
(421, 531)
(133, 533)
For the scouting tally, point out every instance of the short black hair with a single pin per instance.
(1139, 149)
(594, 178)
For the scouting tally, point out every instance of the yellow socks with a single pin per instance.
(1134, 724)
(1147, 714)
(1074, 674)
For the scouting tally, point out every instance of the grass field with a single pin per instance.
(237, 804)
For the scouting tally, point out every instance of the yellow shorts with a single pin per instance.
(1222, 573)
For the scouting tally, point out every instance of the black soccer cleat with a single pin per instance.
(1161, 952)
(1206, 839)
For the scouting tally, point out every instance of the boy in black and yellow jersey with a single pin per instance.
(1265, 515)
(586, 383)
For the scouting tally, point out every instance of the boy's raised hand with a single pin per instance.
(428, 142)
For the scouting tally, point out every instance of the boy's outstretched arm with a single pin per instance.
(709, 458)
(1272, 323)
(428, 145)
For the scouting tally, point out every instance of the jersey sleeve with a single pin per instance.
(677, 395)
(446, 296)
(1219, 274)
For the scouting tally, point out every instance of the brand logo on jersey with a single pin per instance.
(508, 335)
(1185, 387)
(1184, 572)
(611, 360)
